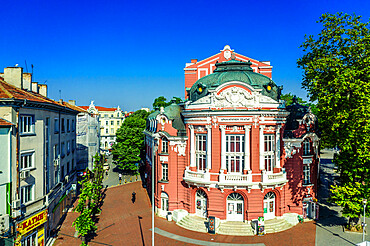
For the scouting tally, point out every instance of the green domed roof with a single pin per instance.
(234, 71)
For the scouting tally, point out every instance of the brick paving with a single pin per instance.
(123, 223)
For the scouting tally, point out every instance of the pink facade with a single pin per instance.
(232, 150)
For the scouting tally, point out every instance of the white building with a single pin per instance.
(88, 137)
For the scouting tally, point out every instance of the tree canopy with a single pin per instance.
(162, 102)
(129, 147)
(289, 98)
(336, 66)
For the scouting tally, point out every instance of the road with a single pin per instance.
(329, 228)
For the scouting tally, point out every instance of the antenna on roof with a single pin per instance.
(60, 94)
(32, 71)
(25, 61)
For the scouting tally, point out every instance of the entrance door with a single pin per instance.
(234, 207)
(201, 203)
(269, 206)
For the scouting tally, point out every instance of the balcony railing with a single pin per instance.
(273, 178)
(234, 180)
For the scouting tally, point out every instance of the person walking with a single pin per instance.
(133, 198)
(120, 178)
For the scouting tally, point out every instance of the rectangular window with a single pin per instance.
(306, 174)
(67, 171)
(165, 172)
(68, 147)
(105, 116)
(73, 145)
(73, 126)
(68, 126)
(106, 131)
(106, 123)
(62, 168)
(63, 149)
(56, 125)
(63, 126)
(201, 151)
(269, 152)
(235, 153)
(26, 193)
(27, 160)
(164, 146)
(112, 131)
(27, 124)
(117, 122)
(112, 122)
(56, 151)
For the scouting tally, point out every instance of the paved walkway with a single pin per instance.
(125, 223)
(329, 228)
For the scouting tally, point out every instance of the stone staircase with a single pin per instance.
(276, 225)
(193, 223)
(235, 228)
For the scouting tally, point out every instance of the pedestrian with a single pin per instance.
(133, 198)
(120, 178)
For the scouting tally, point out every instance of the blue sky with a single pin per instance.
(127, 53)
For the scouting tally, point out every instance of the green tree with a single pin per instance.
(89, 202)
(129, 147)
(162, 102)
(289, 100)
(336, 66)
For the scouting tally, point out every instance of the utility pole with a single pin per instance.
(364, 201)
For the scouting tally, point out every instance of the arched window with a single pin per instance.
(235, 197)
(164, 201)
(306, 147)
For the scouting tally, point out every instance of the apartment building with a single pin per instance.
(40, 142)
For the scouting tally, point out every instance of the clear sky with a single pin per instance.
(127, 53)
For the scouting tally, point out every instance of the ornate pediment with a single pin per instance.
(235, 97)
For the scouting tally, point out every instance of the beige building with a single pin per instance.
(42, 156)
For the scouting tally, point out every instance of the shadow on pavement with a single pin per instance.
(334, 234)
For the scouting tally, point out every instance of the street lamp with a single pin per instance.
(364, 201)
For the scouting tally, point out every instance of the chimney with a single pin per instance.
(14, 76)
(35, 87)
(194, 60)
(43, 90)
(27, 81)
(72, 102)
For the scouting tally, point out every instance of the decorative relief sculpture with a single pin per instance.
(179, 147)
(234, 97)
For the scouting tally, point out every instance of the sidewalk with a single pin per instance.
(124, 223)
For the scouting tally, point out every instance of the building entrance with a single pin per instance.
(201, 203)
(234, 207)
(269, 206)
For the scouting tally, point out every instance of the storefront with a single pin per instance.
(31, 231)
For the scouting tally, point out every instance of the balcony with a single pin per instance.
(197, 178)
(273, 179)
(234, 180)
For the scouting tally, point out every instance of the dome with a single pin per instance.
(234, 70)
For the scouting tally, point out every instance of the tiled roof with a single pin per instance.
(5, 123)
(99, 108)
(8, 91)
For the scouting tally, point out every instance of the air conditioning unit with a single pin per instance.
(4, 223)
(16, 213)
(56, 162)
(25, 174)
(16, 204)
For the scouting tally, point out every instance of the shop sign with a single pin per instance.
(32, 222)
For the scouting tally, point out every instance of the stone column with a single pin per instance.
(247, 165)
(262, 148)
(192, 147)
(209, 147)
(277, 146)
(223, 148)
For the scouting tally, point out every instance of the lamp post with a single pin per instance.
(364, 201)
